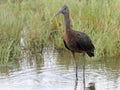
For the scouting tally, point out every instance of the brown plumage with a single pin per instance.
(78, 42)
(75, 41)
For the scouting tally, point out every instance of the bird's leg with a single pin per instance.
(83, 66)
(75, 64)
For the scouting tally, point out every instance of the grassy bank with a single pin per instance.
(100, 19)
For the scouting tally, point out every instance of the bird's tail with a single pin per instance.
(91, 54)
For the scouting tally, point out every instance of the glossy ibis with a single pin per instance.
(75, 41)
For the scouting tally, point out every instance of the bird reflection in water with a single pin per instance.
(76, 84)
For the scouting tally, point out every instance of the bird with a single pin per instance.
(75, 41)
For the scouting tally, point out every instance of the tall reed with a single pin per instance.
(100, 19)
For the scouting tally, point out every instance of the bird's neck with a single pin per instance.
(67, 21)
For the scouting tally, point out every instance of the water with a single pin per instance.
(54, 70)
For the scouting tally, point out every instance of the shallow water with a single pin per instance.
(54, 70)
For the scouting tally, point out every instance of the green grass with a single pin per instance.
(100, 19)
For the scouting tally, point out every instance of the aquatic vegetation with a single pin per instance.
(100, 19)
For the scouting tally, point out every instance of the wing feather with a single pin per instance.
(65, 44)
(83, 41)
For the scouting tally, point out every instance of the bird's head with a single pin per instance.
(63, 10)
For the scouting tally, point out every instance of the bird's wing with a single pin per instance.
(83, 42)
(65, 44)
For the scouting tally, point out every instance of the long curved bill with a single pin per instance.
(60, 11)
